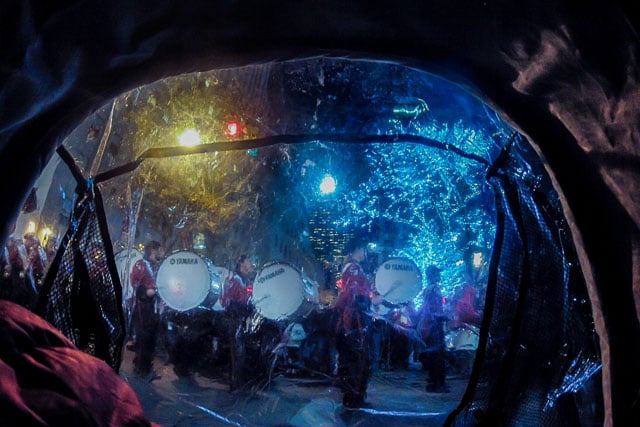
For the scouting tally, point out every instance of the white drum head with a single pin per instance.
(183, 280)
(278, 291)
(125, 274)
(398, 280)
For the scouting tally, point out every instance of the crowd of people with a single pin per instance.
(23, 265)
(356, 333)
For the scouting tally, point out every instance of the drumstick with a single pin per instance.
(263, 298)
(392, 288)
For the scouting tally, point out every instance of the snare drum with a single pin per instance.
(218, 276)
(281, 292)
(464, 338)
(183, 280)
(122, 258)
(398, 280)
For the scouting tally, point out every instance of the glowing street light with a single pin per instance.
(189, 138)
(327, 185)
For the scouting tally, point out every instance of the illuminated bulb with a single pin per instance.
(45, 232)
(189, 138)
(328, 185)
(477, 259)
(232, 129)
(31, 227)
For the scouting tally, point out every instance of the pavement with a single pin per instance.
(394, 397)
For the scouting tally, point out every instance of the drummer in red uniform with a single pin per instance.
(236, 289)
(353, 338)
(235, 295)
(147, 321)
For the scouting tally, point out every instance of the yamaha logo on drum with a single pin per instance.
(399, 267)
(173, 261)
(271, 275)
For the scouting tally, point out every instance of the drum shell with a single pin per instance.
(280, 291)
(463, 338)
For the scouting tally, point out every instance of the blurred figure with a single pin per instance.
(463, 336)
(464, 309)
(353, 332)
(37, 262)
(146, 310)
(16, 285)
(400, 336)
(50, 249)
(236, 288)
(430, 326)
(235, 301)
(48, 381)
(380, 336)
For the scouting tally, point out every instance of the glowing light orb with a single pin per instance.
(189, 138)
(477, 259)
(45, 233)
(328, 185)
(232, 129)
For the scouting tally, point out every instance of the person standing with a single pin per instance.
(235, 301)
(147, 321)
(431, 329)
(353, 331)
(37, 260)
(17, 286)
(236, 288)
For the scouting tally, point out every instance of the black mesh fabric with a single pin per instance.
(82, 295)
(538, 362)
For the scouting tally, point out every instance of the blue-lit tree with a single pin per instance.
(429, 205)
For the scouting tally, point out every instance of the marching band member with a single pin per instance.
(353, 340)
(147, 317)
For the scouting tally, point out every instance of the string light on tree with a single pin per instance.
(477, 259)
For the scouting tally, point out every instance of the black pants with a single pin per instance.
(400, 349)
(433, 360)
(354, 366)
(147, 324)
(354, 343)
(434, 363)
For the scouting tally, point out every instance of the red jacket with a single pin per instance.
(354, 283)
(143, 274)
(464, 310)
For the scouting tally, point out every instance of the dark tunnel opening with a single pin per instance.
(424, 172)
(569, 91)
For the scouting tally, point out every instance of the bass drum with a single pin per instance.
(183, 280)
(123, 260)
(398, 280)
(281, 292)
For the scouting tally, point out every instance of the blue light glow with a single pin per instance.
(327, 185)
